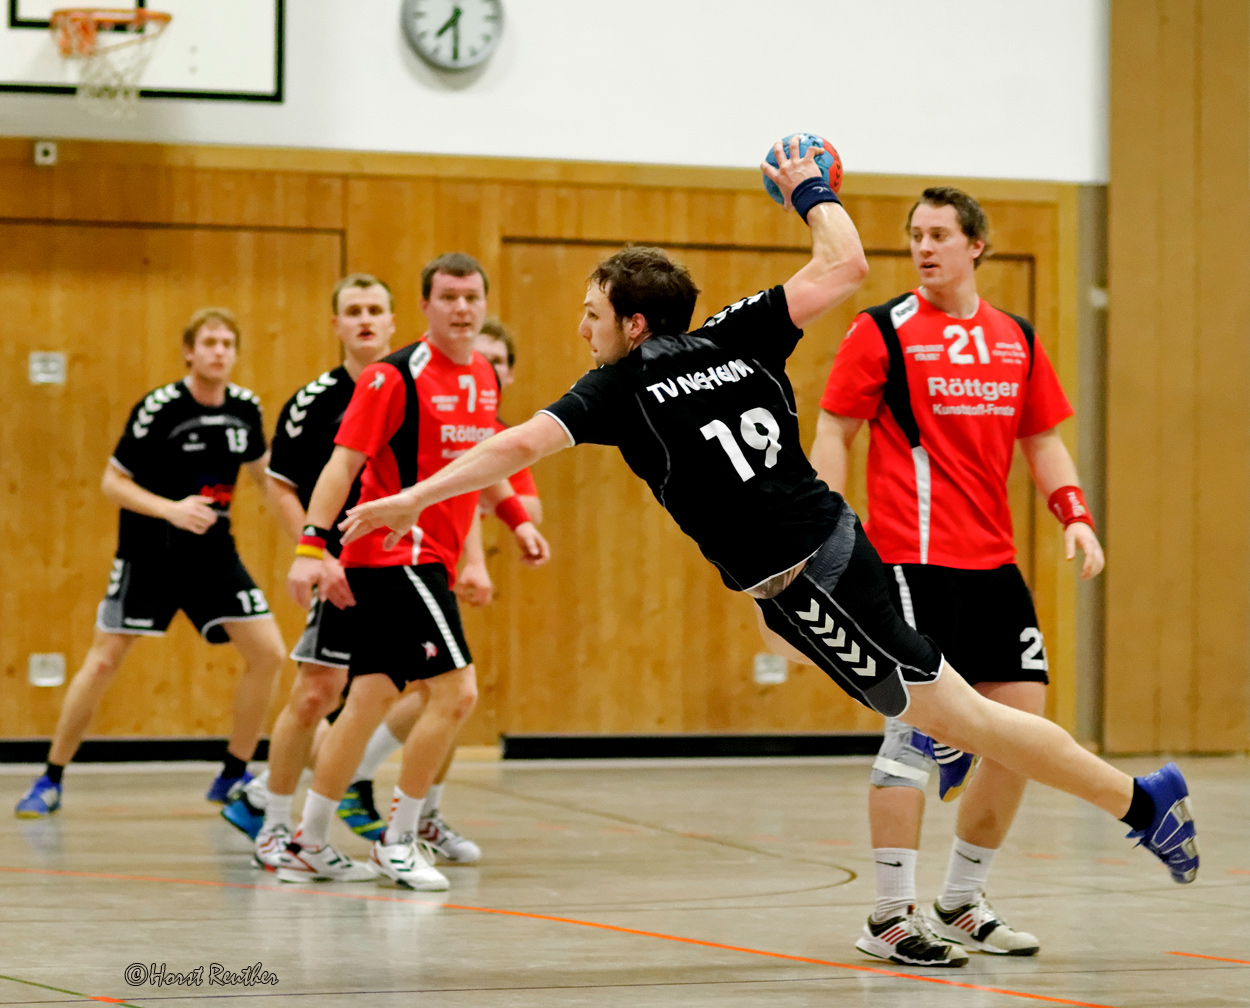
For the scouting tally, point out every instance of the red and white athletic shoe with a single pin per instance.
(321, 864)
(907, 939)
(978, 926)
(270, 847)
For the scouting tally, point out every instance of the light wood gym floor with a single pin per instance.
(678, 883)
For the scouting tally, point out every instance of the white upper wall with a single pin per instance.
(981, 88)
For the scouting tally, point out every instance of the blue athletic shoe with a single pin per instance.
(359, 813)
(41, 800)
(219, 790)
(954, 766)
(1171, 836)
(242, 814)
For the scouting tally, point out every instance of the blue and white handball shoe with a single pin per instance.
(41, 800)
(1171, 836)
(955, 767)
(219, 790)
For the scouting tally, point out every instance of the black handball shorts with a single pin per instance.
(839, 613)
(406, 623)
(214, 589)
(983, 620)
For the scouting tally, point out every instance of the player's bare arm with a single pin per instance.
(473, 585)
(487, 462)
(1052, 467)
(831, 451)
(534, 549)
(191, 514)
(328, 498)
(838, 265)
(284, 499)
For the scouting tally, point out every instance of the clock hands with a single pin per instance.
(452, 24)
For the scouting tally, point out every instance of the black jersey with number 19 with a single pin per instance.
(708, 419)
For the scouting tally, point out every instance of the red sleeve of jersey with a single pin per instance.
(376, 410)
(523, 483)
(857, 379)
(1045, 404)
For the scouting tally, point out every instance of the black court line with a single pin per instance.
(62, 990)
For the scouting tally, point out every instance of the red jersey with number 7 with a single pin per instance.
(945, 399)
(411, 413)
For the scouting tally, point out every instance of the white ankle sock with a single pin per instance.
(896, 881)
(381, 744)
(405, 812)
(966, 874)
(314, 826)
(430, 806)
(277, 809)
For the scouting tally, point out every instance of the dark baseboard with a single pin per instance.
(126, 750)
(688, 746)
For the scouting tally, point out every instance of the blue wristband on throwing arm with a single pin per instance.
(808, 193)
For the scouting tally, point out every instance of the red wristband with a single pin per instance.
(512, 512)
(312, 540)
(1068, 505)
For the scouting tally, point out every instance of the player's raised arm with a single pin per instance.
(488, 462)
(838, 265)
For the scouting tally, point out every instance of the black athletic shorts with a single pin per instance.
(983, 620)
(144, 595)
(838, 611)
(405, 624)
(327, 636)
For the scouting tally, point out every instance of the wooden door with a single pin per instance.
(114, 299)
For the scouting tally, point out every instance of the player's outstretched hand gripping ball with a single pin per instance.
(829, 163)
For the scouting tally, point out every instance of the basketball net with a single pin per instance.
(111, 62)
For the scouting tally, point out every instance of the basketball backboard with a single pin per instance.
(213, 49)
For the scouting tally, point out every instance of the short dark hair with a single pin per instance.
(642, 280)
(494, 329)
(201, 318)
(362, 280)
(457, 264)
(972, 220)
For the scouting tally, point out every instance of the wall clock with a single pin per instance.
(453, 34)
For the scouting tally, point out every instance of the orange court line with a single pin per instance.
(1195, 955)
(567, 920)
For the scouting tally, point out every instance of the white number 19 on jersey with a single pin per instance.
(767, 441)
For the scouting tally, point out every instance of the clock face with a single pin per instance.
(453, 34)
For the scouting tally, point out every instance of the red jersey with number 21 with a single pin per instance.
(411, 413)
(973, 391)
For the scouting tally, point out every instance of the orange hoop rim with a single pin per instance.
(76, 27)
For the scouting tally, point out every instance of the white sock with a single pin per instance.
(966, 874)
(896, 881)
(381, 744)
(430, 807)
(314, 827)
(405, 812)
(277, 810)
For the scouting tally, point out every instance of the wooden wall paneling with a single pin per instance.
(1221, 602)
(115, 299)
(579, 662)
(1178, 601)
(1136, 596)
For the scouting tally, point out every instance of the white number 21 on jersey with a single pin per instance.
(752, 420)
(960, 335)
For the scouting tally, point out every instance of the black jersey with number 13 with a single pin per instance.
(708, 419)
(176, 447)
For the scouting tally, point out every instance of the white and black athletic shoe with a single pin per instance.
(907, 939)
(978, 926)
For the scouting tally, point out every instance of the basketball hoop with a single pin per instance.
(113, 48)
